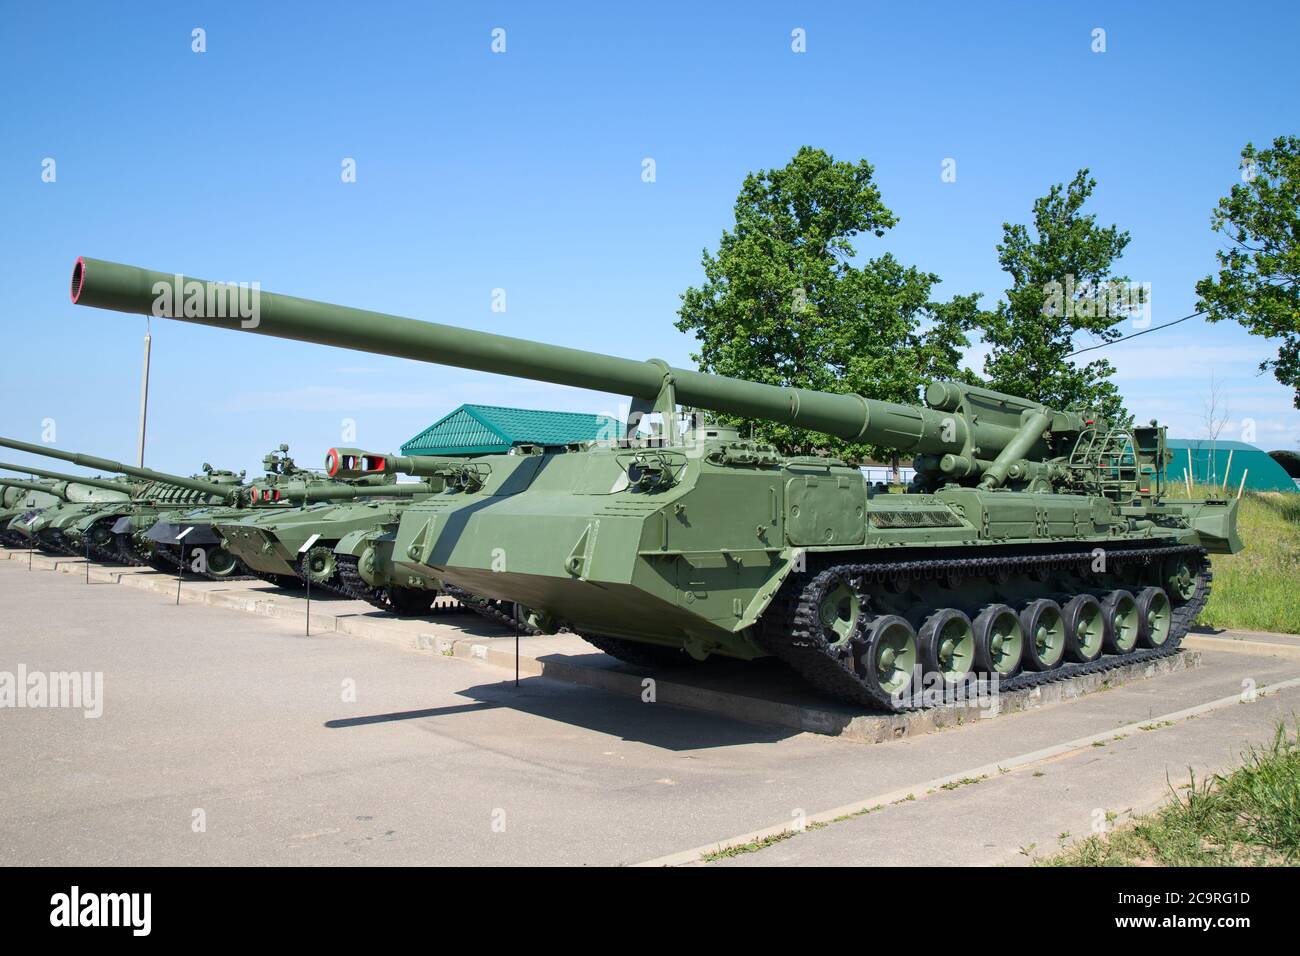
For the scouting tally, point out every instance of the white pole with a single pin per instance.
(1242, 486)
(1227, 471)
(144, 398)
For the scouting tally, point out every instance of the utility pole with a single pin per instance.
(144, 396)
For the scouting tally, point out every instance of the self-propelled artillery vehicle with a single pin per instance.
(1035, 544)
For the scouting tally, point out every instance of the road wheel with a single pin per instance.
(999, 641)
(1122, 623)
(1044, 630)
(1155, 615)
(1180, 580)
(947, 644)
(1085, 628)
(318, 564)
(889, 655)
(221, 563)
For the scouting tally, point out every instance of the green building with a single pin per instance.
(492, 430)
(1209, 465)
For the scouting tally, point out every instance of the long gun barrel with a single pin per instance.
(71, 479)
(312, 492)
(975, 424)
(53, 490)
(223, 492)
(353, 463)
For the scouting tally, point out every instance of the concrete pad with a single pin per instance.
(329, 750)
(762, 692)
(1246, 642)
(1011, 816)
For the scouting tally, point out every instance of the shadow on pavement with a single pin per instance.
(659, 725)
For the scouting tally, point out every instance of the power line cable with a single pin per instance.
(1125, 338)
(1157, 328)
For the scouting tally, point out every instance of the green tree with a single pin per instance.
(1258, 283)
(782, 302)
(1062, 284)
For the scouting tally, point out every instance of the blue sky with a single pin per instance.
(522, 171)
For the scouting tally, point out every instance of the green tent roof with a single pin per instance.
(493, 429)
(1210, 464)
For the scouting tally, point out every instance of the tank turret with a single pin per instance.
(100, 483)
(56, 489)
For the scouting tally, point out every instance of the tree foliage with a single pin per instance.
(1061, 276)
(1258, 283)
(784, 304)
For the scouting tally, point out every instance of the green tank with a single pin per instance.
(1035, 544)
(33, 515)
(271, 544)
(364, 554)
(20, 499)
(114, 529)
(282, 488)
(143, 528)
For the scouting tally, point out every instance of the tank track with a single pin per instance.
(334, 585)
(126, 554)
(102, 553)
(492, 610)
(636, 653)
(97, 550)
(796, 637)
(58, 542)
(355, 586)
(47, 545)
(350, 576)
(169, 556)
(244, 575)
(279, 580)
(173, 558)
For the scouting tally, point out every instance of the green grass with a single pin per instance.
(1257, 590)
(743, 848)
(1251, 817)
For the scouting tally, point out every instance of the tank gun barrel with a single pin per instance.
(224, 492)
(52, 489)
(945, 428)
(439, 473)
(354, 463)
(313, 492)
(60, 476)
